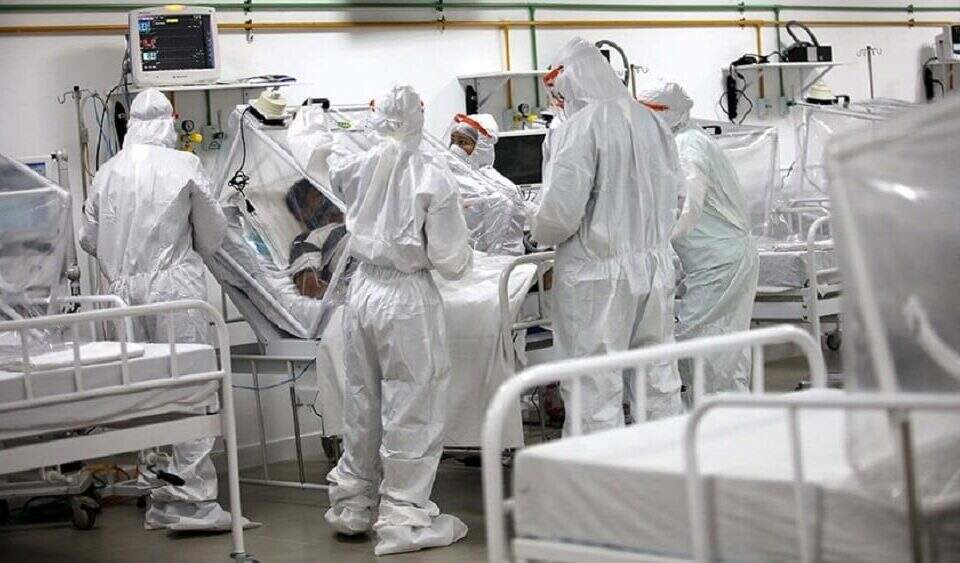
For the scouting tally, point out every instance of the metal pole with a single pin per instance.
(910, 481)
(84, 139)
(870, 68)
(261, 425)
(294, 404)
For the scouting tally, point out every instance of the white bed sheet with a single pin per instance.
(626, 489)
(782, 270)
(152, 365)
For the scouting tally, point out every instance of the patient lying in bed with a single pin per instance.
(315, 252)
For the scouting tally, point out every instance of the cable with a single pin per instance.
(293, 379)
(789, 29)
(103, 116)
(733, 94)
(240, 178)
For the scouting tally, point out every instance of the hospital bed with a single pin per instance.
(295, 332)
(797, 281)
(865, 474)
(743, 477)
(135, 396)
(68, 395)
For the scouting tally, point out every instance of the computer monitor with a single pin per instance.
(174, 45)
(520, 156)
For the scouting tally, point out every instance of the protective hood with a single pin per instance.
(398, 115)
(581, 75)
(483, 129)
(151, 121)
(668, 99)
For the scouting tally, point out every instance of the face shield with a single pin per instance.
(580, 76)
(669, 100)
(472, 138)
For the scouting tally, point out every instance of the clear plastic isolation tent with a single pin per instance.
(806, 186)
(755, 154)
(36, 247)
(895, 194)
(254, 180)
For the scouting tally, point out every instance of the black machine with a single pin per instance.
(805, 51)
(520, 156)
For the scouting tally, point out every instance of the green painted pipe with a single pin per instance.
(266, 5)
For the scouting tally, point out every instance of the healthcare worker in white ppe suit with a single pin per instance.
(712, 238)
(610, 180)
(148, 220)
(497, 219)
(404, 218)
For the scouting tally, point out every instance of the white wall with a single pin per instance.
(355, 66)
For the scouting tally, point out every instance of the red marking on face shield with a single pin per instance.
(551, 77)
(655, 106)
(461, 118)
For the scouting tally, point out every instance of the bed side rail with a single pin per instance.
(119, 316)
(814, 275)
(496, 506)
(897, 406)
(507, 321)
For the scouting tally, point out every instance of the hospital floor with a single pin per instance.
(293, 529)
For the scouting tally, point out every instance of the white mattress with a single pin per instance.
(152, 365)
(787, 269)
(626, 489)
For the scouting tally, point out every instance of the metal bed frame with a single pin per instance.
(819, 300)
(897, 406)
(135, 433)
(290, 351)
(510, 327)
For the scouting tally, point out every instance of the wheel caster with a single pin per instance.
(244, 558)
(834, 340)
(85, 511)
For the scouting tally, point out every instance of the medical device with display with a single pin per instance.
(520, 156)
(174, 45)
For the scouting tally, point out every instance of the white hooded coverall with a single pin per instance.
(494, 211)
(148, 220)
(712, 238)
(404, 219)
(610, 179)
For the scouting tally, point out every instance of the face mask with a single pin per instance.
(457, 150)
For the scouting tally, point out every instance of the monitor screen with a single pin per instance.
(176, 42)
(520, 157)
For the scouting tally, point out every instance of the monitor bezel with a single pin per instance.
(159, 78)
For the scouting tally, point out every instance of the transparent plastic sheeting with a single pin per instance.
(35, 238)
(755, 155)
(268, 225)
(814, 126)
(896, 209)
(261, 257)
(493, 211)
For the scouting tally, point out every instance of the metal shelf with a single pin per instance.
(819, 70)
(503, 75)
(240, 85)
(787, 66)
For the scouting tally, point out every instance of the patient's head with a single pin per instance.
(310, 207)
